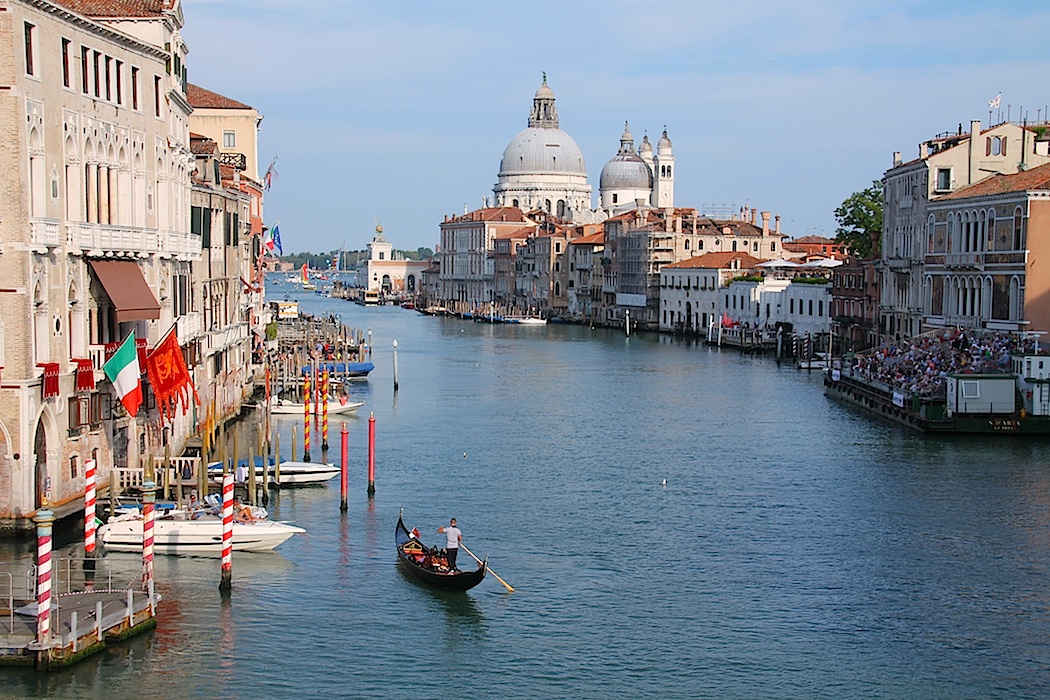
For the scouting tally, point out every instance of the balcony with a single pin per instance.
(237, 161)
(972, 261)
(189, 326)
(131, 239)
(227, 337)
(45, 232)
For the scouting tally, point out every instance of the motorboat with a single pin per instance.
(279, 406)
(293, 473)
(196, 533)
(819, 360)
(526, 320)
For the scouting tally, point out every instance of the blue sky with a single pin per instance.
(400, 110)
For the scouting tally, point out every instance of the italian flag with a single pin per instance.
(123, 371)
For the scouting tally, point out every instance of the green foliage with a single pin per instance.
(271, 330)
(860, 216)
(350, 261)
(747, 278)
(810, 280)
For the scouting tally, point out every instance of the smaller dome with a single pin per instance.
(663, 146)
(646, 148)
(544, 92)
(626, 171)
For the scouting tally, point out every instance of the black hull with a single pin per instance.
(455, 583)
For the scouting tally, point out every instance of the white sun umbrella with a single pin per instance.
(778, 263)
(824, 262)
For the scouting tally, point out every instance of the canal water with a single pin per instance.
(678, 521)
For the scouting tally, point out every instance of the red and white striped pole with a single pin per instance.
(226, 582)
(324, 410)
(371, 454)
(149, 497)
(344, 469)
(89, 508)
(44, 520)
(306, 417)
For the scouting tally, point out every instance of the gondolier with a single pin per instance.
(453, 536)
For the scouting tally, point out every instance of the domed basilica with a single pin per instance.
(543, 168)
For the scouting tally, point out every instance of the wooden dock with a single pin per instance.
(90, 613)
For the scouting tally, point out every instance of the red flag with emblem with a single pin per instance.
(169, 377)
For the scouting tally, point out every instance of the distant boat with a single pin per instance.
(292, 473)
(281, 407)
(304, 279)
(526, 320)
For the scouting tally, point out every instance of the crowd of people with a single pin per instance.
(920, 365)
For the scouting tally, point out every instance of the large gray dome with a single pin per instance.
(542, 150)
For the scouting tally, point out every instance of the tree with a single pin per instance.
(860, 221)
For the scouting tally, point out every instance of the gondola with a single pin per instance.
(408, 544)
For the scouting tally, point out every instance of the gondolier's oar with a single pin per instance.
(509, 587)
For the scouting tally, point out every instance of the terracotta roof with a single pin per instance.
(118, 8)
(820, 240)
(200, 98)
(517, 233)
(508, 214)
(1034, 179)
(594, 238)
(717, 261)
(202, 145)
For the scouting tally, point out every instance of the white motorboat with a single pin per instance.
(292, 473)
(526, 320)
(282, 407)
(198, 534)
(820, 360)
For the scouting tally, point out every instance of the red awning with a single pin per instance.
(127, 289)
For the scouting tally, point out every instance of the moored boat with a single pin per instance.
(951, 383)
(526, 320)
(279, 406)
(423, 563)
(182, 533)
(293, 473)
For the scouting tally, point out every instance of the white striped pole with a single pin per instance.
(149, 497)
(226, 581)
(44, 520)
(89, 508)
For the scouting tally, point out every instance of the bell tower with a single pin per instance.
(663, 174)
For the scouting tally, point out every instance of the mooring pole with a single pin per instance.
(344, 468)
(44, 520)
(324, 410)
(395, 365)
(371, 454)
(149, 498)
(89, 507)
(306, 418)
(226, 578)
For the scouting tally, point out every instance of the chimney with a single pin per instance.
(754, 213)
(765, 223)
(896, 158)
(777, 230)
(975, 128)
(924, 150)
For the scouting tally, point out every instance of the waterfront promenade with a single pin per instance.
(678, 521)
